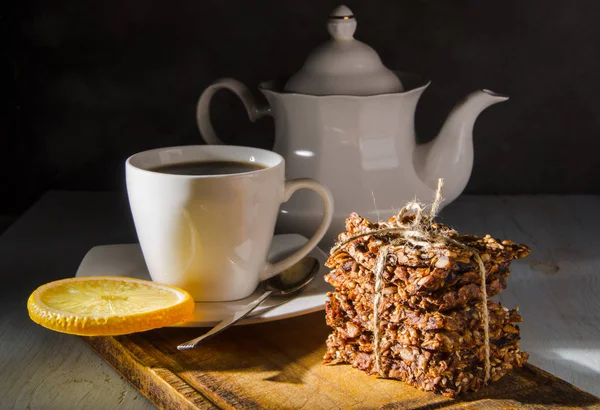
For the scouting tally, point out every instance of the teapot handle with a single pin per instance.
(203, 108)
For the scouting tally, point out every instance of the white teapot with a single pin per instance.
(348, 122)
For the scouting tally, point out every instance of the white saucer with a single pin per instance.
(127, 260)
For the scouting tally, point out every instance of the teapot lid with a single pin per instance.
(343, 65)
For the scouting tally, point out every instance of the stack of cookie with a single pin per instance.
(431, 328)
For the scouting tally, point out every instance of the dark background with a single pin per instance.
(87, 84)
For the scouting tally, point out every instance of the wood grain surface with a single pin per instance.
(277, 365)
(556, 288)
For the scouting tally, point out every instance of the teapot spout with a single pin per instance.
(450, 154)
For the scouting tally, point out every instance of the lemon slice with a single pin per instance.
(108, 305)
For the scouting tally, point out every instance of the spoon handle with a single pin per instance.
(227, 322)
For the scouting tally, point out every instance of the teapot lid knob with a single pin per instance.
(343, 65)
(341, 24)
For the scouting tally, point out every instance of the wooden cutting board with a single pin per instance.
(277, 365)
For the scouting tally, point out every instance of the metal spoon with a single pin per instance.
(287, 282)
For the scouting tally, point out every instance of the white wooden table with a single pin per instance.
(556, 288)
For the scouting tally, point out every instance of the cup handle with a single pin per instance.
(203, 108)
(272, 269)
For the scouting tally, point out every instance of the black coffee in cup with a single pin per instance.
(208, 168)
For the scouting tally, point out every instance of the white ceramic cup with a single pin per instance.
(210, 234)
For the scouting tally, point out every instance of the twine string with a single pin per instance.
(376, 306)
